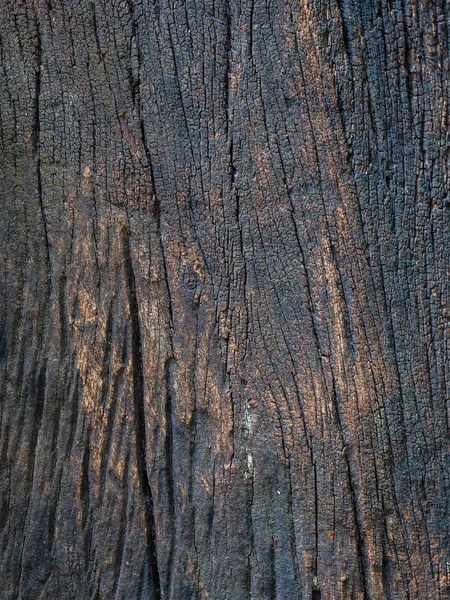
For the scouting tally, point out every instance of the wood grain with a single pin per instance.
(224, 320)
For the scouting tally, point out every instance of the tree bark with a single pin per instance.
(224, 317)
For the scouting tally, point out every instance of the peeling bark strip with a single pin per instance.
(224, 307)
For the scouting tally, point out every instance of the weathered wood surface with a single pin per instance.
(224, 308)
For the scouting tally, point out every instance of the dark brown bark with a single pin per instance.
(224, 311)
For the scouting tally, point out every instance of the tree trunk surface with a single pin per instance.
(224, 321)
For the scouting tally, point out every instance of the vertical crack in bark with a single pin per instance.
(136, 98)
(235, 193)
(37, 134)
(316, 524)
(250, 472)
(169, 459)
(354, 495)
(158, 225)
(178, 82)
(40, 393)
(228, 59)
(85, 482)
(139, 415)
(293, 534)
(364, 567)
(343, 9)
(316, 594)
(250, 32)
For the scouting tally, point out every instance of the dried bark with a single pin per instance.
(224, 312)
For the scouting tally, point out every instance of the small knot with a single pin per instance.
(190, 281)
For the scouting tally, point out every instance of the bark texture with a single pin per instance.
(224, 317)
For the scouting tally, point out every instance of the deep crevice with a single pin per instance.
(168, 443)
(37, 134)
(139, 415)
(136, 98)
(346, 38)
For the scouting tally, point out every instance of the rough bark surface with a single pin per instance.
(224, 314)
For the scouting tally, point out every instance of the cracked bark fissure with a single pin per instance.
(224, 307)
